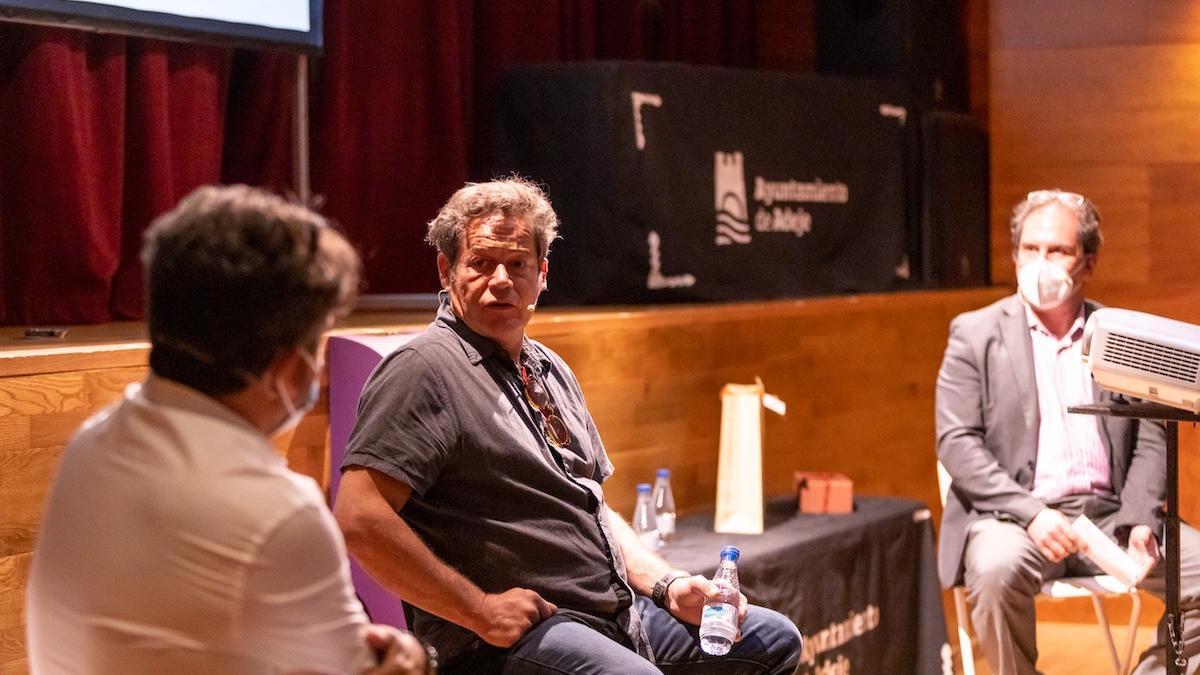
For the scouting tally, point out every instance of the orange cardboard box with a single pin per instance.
(824, 492)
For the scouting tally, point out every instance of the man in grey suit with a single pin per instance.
(1023, 468)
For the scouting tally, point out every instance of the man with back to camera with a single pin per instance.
(175, 539)
(472, 483)
(1023, 467)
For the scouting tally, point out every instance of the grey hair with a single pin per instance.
(1084, 210)
(513, 196)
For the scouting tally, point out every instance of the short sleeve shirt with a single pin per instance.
(446, 414)
(175, 540)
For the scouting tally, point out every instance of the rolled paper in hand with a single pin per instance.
(1105, 552)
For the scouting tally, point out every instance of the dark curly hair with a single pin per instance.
(235, 276)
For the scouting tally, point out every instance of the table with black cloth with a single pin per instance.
(861, 587)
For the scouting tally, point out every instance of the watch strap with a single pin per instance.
(659, 594)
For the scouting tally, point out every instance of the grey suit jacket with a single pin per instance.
(987, 434)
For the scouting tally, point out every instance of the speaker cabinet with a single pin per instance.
(919, 42)
(954, 215)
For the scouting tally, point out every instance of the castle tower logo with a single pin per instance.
(729, 197)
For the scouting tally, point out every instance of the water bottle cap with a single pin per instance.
(664, 473)
(643, 487)
(730, 553)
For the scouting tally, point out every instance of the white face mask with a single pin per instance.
(297, 410)
(1044, 284)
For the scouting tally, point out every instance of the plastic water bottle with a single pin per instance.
(644, 522)
(664, 506)
(719, 622)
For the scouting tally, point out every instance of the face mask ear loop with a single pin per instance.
(294, 413)
(310, 360)
(288, 404)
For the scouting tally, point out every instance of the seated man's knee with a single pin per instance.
(995, 577)
(789, 646)
(778, 638)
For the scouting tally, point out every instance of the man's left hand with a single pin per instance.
(1143, 548)
(687, 595)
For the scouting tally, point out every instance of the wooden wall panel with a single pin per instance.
(1067, 24)
(1174, 228)
(858, 383)
(1103, 97)
(14, 572)
(1074, 104)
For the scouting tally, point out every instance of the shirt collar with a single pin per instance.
(534, 355)
(1035, 323)
(476, 346)
(169, 393)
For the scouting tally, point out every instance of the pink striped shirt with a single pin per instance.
(1071, 457)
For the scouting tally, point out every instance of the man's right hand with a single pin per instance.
(1052, 533)
(399, 652)
(505, 617)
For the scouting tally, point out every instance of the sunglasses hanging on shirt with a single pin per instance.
(552, 422)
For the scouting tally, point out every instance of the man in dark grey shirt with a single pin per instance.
(472, 484)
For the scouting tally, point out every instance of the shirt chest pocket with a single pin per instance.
(577, 460)
(514, 440)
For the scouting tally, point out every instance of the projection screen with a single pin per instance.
(293, 25)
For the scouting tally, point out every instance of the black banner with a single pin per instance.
(862, 587)
(688, 183)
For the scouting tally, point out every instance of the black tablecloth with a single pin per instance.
(862, 587)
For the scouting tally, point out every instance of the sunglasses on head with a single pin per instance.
(1070, 199)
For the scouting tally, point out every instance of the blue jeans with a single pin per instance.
(770, 645)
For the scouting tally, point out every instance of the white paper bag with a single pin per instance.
(739, 466)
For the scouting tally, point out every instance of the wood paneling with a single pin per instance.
(857, 373)
(14, 571)
(1071, 24)
(1174, 229)
(1103, 97)
(858, 383)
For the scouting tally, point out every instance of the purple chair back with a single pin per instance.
(352, 358)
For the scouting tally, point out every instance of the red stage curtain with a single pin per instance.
(99, 134)
(62, 144)
(403, 101)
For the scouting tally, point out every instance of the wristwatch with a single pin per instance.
(431, 660)
(659, 595)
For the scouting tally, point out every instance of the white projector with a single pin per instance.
(1144, 356)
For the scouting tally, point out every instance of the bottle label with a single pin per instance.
(719, 612)
(649, 539)
(666, 523)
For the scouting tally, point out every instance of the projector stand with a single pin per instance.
(1172, 416)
